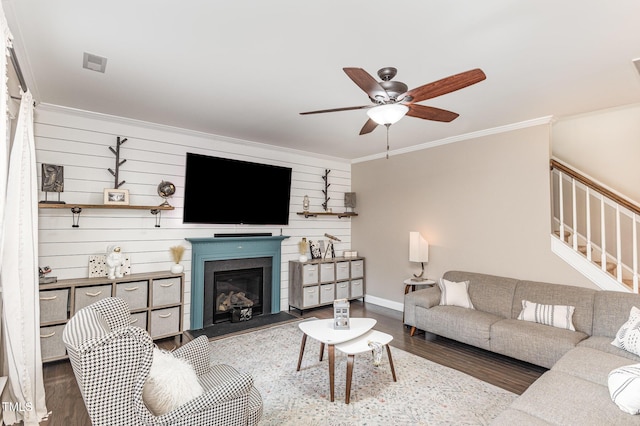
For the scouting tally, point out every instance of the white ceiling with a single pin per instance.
(246, 69)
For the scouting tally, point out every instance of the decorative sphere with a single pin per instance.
(166, 189)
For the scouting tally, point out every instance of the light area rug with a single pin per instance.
(426, 393)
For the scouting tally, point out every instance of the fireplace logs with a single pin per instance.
(226, 302)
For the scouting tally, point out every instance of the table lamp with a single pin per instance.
(418, 252)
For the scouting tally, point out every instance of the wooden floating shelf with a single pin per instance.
(315, 214)
(101, 206)
(76, 209)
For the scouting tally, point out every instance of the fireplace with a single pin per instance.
(233, 284)
(222, 254)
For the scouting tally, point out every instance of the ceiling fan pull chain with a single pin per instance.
(387, 126)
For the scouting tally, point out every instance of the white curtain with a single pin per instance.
(19, 277)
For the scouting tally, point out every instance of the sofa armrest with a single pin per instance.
(197, 353)
(425, 298)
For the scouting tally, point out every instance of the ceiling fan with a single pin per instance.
(391, 100)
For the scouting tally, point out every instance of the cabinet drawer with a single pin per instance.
(357, 269)
(327, 293)
(342, 290)
(357, 289)
(166, 291)
(342, 270)
(139, 320)
(53, 305)
(88, 295)
(51, 343)
(327, 272)
(310, 296)
(165, 322)
(309, 274)
(134, 293)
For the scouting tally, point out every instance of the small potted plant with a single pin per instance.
(176, 254)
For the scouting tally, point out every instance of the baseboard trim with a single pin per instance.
(396, 306)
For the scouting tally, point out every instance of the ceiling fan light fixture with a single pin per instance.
(388, 113)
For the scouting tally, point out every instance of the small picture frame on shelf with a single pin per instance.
(314, 247)
(116, 197)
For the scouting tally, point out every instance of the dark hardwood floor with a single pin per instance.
(65, 402)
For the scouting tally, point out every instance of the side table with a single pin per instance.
(410, 285)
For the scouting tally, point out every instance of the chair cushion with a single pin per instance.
(171, 382)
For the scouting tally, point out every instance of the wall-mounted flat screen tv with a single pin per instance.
(225, 191)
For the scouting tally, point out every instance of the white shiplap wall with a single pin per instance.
(80, 141)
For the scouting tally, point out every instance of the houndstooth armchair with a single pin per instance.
(111, 361)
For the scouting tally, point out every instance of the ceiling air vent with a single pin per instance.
(94, 62)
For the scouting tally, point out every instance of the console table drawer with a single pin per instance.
(53, 305)
(134, 293)
(88, 295)
(311, 296)
(165, 322)
(327, 293)
(342, 270)
(356, 289)
(309, 274)
(166, 291)
(139, 320)
(51, 343)
(357, 269)
(342, 290)
(327, 272)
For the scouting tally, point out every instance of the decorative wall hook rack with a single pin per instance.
(325, 191)
(119, 163)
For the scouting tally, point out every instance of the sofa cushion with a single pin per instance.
(558, 294)
(590, 364)
(563, 399)
(624, 388)
(611, 310)
(531, 342)
(554, 315)
(454, 293)
(628, 336)
(488, 293)
(464, 325)
(603, 344)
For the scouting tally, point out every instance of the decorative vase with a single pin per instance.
(303, 258)
(177, 268)
(305, 203)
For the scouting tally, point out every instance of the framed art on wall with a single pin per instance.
(116, 196)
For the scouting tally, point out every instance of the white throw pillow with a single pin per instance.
(455, 294)
(624, 388)
(559, 316)
(171, 383)
(628, 336)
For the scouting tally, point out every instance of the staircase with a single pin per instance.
(594, 229)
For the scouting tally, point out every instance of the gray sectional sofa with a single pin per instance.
(575, 389)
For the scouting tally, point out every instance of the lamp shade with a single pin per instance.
(418, 248)
(387, 113)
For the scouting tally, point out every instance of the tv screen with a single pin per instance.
(224, 191)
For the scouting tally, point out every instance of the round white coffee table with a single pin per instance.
(322, 330)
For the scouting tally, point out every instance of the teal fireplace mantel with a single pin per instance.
(225, 248)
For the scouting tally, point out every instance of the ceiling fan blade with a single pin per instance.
(444, 86)
(431, 113)
(368, 127)
(366, 82)
(336, 109)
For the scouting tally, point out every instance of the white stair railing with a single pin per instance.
(604, 223)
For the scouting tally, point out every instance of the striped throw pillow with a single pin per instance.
(628, 336)
(455, 294)
(554, 315)
(624, 388)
